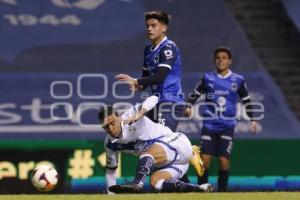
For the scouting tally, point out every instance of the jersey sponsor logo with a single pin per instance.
(233, 78)
(222, 92)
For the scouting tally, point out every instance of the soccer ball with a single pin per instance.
(44, 178)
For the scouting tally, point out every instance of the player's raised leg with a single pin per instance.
(197, 162)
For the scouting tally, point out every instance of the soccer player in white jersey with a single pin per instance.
(162, 153)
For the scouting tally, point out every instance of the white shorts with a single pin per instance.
(178, 149)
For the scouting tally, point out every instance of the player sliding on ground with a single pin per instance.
(163, 154)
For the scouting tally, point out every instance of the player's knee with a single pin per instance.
(153, 180)
(206, 165)
(206, 161)
(224, 163)
(156, 182)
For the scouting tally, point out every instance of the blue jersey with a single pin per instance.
(166, 54)
(221, 97)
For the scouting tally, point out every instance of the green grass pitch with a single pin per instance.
(175, 196)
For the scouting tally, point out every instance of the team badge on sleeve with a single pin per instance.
(168, 53)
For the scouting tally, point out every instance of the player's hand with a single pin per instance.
(253, 127)
(133, 84)
(187, 112)
(133, 87)
(125, 77)
(140, 87)
(132, 119)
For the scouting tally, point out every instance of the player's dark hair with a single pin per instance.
(161, 16)
(105, 111)
(223, 49)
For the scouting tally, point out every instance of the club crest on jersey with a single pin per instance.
(132, 129)
(234, 87)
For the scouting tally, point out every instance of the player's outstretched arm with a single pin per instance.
(132, 82)
(146, 106)
(112, 160)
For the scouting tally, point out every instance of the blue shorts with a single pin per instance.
(217, 143)
(166, 115)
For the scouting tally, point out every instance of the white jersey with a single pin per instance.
(143, 129)
(135, 138)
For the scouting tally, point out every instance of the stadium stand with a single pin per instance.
(275, 39)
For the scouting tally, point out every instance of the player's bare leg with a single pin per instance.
(158, 153)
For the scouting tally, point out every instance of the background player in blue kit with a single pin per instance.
(161, 71)
(222, 89)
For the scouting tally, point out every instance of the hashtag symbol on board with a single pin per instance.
(81, 165)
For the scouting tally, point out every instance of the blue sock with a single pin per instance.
(203, 179)
(223, 180)
(144, 168)
(185, 178)
(175, 185)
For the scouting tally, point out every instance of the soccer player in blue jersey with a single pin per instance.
(221, 89)
(161, 71)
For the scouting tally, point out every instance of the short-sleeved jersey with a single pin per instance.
(135, 138)
(221, 95)
(166, 54)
